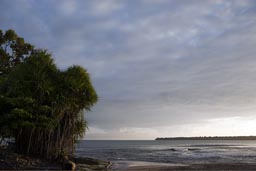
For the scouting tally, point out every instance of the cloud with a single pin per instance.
(94, 130)
(152, 62)
(67, 7)
(105, 7)
(229, 126)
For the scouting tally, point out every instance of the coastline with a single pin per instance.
(143, 166)
(9, 160)
(130, 165)
(173, 155)
(208, 138)
(21, 162)
(13, 161)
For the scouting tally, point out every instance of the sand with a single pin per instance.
(143, 166)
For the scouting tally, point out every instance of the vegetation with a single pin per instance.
(41, 106)
(13, 50)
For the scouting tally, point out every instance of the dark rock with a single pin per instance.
(68, 164)
(85, 163)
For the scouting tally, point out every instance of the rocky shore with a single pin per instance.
(10, 160)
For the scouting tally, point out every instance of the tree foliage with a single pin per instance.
(13, 50)
(41, 106)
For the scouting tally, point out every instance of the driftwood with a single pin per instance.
(68, 164)
(84, 163)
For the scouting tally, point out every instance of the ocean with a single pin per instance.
(170, 151)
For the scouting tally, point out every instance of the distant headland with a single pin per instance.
(209, 138)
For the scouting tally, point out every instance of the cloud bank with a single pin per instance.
(156, 65)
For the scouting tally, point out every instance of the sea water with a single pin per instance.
(170, 151)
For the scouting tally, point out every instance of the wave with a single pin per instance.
(170, 153)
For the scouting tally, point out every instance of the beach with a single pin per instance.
(143, 166)
(139, 165)
(12, 161)
(173, 155)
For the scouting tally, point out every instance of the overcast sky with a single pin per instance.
(160, 67)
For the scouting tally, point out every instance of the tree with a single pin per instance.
(13, 50)
(44, 104)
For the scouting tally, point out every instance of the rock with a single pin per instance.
(109, 165)
(68, 164)
(88, 164)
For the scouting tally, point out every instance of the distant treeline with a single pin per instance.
(210, 138)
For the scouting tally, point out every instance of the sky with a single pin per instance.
(161, 68)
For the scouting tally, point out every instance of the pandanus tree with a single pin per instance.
(13, 50)
(42, 107)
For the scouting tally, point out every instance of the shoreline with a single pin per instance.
(143, 166)
(9, 160)
(231, 138)
(127, 165)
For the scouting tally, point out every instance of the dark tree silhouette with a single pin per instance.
(41, 107)
(13, 50)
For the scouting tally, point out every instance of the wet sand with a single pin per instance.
(143, 166)
(140, 164)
